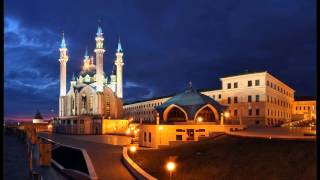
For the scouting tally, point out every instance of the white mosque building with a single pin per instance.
(92, 94)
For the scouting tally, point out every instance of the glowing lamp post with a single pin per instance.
(227, 115)
(133, 149)
(170, 167)
(200, 119)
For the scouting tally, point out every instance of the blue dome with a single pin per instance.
(191, 101)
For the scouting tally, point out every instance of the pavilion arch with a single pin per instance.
(171, 107)
(213, 109)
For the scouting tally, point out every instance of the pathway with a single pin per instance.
(104, 157)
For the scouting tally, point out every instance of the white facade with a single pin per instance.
(257, 99)
(90, 92)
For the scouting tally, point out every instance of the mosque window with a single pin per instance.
(84, 101)
(229, 100)
(267, 83)
(145, 136)
(249, 83)
(235, 112)
(219, 96)
(107, 110)
(250, 112)
(91, 103)
(249, 98)
(149, 137)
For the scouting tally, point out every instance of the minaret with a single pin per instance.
(99, 59)
(63, 74)
(73, 81)
(86, 61)
(119, 63)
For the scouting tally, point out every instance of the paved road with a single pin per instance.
(105, 157)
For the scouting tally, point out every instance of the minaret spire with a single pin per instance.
(63, 42)
(86, 53)
(119, 49)
(99, 59)
(119, 63)
(63, 75)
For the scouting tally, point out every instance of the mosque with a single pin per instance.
(93, 96)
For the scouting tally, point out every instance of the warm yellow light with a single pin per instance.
(133, 149)
(226, 114)
(49, 126)
(200, 119)
(132, 128)
(171, 166)
(160, 128)
(128, 131)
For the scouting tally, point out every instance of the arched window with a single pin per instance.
(91, 103)
(207, 115)
(175, 114)
(84, 101)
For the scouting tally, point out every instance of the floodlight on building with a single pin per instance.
(227, 114)
(200, 119)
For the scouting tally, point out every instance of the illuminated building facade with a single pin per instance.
(256, 99)
(305, 108)
(92, 95)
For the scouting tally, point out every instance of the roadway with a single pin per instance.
(104, 151)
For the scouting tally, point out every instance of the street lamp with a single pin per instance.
(227, 115)
(170, 167)
(199, 120)
(133, 149)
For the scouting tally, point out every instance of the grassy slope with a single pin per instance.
(234, 158)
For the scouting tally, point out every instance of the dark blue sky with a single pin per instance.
(166, 43)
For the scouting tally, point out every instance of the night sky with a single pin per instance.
(166, 44)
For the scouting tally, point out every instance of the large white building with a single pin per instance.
(92, 96)
(256, 99)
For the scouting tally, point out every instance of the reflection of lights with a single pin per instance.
(160, 128)
(171, 166)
